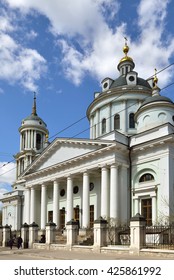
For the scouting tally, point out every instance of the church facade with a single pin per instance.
(125, 167)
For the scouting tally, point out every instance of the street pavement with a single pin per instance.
(37, 254)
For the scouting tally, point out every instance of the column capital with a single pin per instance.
(85, 172)
(104, 166)
(115, 165)
(55, 182)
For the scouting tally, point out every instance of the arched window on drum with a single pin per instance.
(103, 126)
(117, 121)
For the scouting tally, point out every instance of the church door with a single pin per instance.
(146, 210)
(91, 216)
(62, 218)
(50, 216)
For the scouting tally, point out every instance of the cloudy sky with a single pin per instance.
(62, 50)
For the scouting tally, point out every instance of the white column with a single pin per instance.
(108, 120)
(32, 206)
(31, 139)
(123, 124)
(114, 192)
(105, 193)
(27, 206)
(136, 206)
(43, 206)
(154, 208)
(17, 217)
(85, 213)
(56, 218)
(92, 127)
(26, 139)
(3, 216)
(6, 217)
(69, 206)
(21, 142)
(97, 124)
(34, 139)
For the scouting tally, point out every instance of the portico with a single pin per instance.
(76, 189)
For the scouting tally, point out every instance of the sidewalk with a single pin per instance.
(36, 254)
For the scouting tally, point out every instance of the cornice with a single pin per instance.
(116, 91)
(154, 143)
(75, 160)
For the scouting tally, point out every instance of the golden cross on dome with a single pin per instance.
(125, 40)
(155, 79)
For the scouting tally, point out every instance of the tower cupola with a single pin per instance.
(126, 64)
(33, 139)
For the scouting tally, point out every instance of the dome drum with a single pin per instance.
(153, 116)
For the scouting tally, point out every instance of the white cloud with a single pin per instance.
(2, 191)
(7, 173)
(31, 35)
(87, 24)
(19, 64)
(7, 177)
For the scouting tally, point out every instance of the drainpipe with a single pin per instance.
(130, 176)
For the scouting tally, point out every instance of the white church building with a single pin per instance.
(126, 167)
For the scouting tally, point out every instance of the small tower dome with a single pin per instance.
(126, 64)
(155, 110)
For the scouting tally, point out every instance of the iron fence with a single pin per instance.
(159, 237)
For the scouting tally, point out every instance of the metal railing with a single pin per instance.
(159, 237)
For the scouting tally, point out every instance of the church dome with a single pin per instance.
(156, 98)
(154, 111)
(122, 81)
(34, 119)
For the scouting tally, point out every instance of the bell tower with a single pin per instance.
(33, 139)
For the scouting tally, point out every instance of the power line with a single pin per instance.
(84, 117)
(114, 114)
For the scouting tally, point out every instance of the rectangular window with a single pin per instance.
(146, 210)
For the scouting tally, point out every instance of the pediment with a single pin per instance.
(62, 151)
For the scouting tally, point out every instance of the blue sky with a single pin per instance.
(63, 49)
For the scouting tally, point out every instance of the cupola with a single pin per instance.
(126, 64)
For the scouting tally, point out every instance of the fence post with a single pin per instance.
(50, 233)
(25, 235)
(72, 232)
(6, 235)
(100, 233)
(33, 234)
(137, 233)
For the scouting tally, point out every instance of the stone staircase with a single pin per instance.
(85, 241)
(60, 238)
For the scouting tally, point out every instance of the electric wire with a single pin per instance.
(84, 117)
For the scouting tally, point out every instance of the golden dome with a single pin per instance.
(126, 58)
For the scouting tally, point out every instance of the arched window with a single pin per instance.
(38, 141)
(103, 126)
(131, 121)
(146, 177)
(117, 121)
